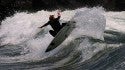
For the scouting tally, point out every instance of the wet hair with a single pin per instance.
(51, 17)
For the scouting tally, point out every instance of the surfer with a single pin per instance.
(55, 24)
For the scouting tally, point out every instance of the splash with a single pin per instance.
(22, 29)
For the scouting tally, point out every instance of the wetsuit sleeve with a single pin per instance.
(45, 25)
(59, 15)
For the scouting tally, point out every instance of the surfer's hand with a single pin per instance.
(40, 27)
(58, 13)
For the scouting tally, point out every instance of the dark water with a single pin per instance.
(107, 59)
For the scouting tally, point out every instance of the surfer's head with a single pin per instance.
(51, 17)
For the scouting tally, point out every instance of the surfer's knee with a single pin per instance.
(53, 33)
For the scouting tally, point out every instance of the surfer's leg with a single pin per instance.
(53, 33)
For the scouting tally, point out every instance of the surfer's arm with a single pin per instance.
(44, 25)
(58, 16)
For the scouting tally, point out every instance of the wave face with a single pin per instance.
(97, 42)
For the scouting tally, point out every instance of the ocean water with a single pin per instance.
(96, 43)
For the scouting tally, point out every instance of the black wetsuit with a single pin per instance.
(55, 24)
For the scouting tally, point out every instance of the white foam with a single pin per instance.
(90, 22)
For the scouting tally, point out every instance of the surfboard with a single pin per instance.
(61, 35)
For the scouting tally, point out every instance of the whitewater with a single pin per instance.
(96, 43)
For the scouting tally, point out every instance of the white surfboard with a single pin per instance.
(61, 35)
